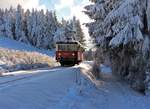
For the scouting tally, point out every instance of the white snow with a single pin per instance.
(105, 69)
(7, 64)
(12, 44)
(39, 92)
(58, 89)
(146, 45)
(126, 35)
(109, 94)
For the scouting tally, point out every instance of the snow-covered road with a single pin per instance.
(40, 92)
(57, 89)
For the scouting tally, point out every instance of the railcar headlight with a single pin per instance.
(73, 54)
(59, 54)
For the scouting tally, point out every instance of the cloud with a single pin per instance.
(29, 4)
(64, 3)
(8, 3)
(75, 7)
(26, 4)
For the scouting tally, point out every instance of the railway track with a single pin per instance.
(15, 79)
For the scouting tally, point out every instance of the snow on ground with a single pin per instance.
(105, 69)
(108, 94)
(67, 88)
(39, 92)
(11, 61)
(12, 44)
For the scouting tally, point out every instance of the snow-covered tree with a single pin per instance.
(65, 32)
(32, 27)
(40, 26)
(33, 23)
(51, 24)
(79, 36)
(9, 23)
(19, 33)
(2, 29)
(121, 28)
(26, 25)
(70, 30)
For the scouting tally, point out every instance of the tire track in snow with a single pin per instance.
(11, 80)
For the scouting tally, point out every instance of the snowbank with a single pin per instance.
(13, 60)
(12, 44)
(109, 93)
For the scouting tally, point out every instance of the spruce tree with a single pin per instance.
(121, 29)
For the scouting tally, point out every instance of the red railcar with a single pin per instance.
(69, 53)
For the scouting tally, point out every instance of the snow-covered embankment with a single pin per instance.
(106, 93)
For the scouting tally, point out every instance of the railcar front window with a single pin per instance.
(67, 47)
